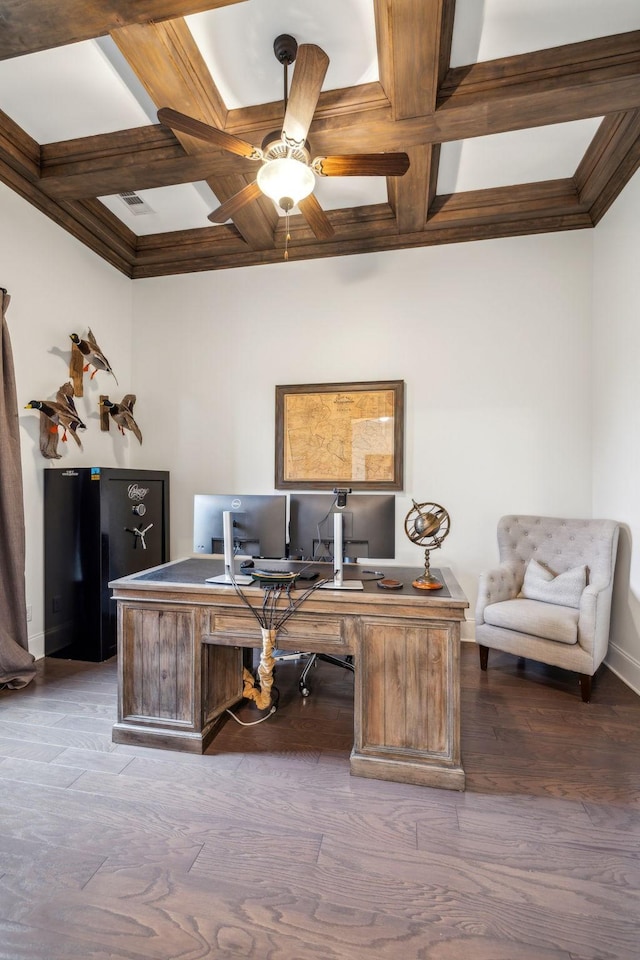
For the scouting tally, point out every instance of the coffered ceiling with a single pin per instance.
(517, 117)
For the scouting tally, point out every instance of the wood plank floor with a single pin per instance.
(267, 849)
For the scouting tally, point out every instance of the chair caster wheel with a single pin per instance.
(304, 690)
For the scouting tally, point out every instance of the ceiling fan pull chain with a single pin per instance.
(287, 236)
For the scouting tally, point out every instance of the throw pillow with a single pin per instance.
(564, 589)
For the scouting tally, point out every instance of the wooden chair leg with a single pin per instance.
(585, 687)
(484, 656)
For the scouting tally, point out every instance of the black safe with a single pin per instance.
(100, 523)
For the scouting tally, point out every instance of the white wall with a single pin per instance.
(57, 287)
(493, 340)
(616, 413)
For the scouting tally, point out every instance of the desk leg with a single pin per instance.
(407, 703)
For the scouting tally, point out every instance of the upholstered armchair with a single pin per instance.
(550, 597)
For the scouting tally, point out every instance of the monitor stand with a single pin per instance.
(338, 582)
(229, 577)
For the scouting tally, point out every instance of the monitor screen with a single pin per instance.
(368, 526)
(259, 524)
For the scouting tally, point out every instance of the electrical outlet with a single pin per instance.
(29, 612)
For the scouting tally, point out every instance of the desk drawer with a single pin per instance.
(300, 632)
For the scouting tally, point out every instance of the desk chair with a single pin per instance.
(311, 661)
(346, 663)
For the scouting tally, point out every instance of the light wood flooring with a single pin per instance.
(267, 849)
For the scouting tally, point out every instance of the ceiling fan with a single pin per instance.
(286, 173)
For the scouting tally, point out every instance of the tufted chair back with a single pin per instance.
(559, 544)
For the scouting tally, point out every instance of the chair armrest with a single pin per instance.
(593, 621)
(494, 586)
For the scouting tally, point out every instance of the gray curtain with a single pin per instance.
(17, 666)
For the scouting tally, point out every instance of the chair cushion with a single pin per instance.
(551, 621)
(564, 589)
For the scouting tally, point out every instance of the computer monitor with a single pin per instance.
(368, 526)
(259, 524)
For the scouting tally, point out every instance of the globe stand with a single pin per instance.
(427, 525)
(427, 581)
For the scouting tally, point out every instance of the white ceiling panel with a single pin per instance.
(488, 29)
(237, 44)
(68, 92)
(337, 192)
(525, 156)
(182, 207)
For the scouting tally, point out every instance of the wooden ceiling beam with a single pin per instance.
(152, 156)
(414, 45)
(170, 66)
(554, 64)
(18, 150)
(40, 24)
(501, 204)
(611, 160)
(480, 214)
(368, 237)
(525, 110)
(103, 229)
(590, 79)
(254, 122)
(378, 216)
(137, 159)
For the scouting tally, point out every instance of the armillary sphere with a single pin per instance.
(427, 525)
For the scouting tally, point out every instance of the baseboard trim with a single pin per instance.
(36, 645)
(626, 667)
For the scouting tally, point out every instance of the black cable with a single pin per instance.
(320, 540)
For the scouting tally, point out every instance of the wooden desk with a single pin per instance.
(181, 645)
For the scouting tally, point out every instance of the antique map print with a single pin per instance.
(339, 437)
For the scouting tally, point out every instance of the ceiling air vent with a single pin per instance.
(136, 204)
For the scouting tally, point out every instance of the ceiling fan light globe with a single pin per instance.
(286, 181)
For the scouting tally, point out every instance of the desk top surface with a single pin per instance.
(191, 573)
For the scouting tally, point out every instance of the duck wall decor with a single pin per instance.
(85, 353)
(122, 414)
(63, 413)
(60, 412)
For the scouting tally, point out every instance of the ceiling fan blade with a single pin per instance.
(363, 165)
(228, 209)
(308, 76)
(316, 217)
(204, 131)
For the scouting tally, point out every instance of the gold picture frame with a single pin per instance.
(340, 435)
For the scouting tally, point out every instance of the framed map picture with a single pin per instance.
(340, 435)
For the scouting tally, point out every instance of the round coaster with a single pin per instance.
(389, 584)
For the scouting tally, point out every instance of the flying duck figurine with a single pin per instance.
(122, 414)
(92, 354)
(60, 415)
(65, 397)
